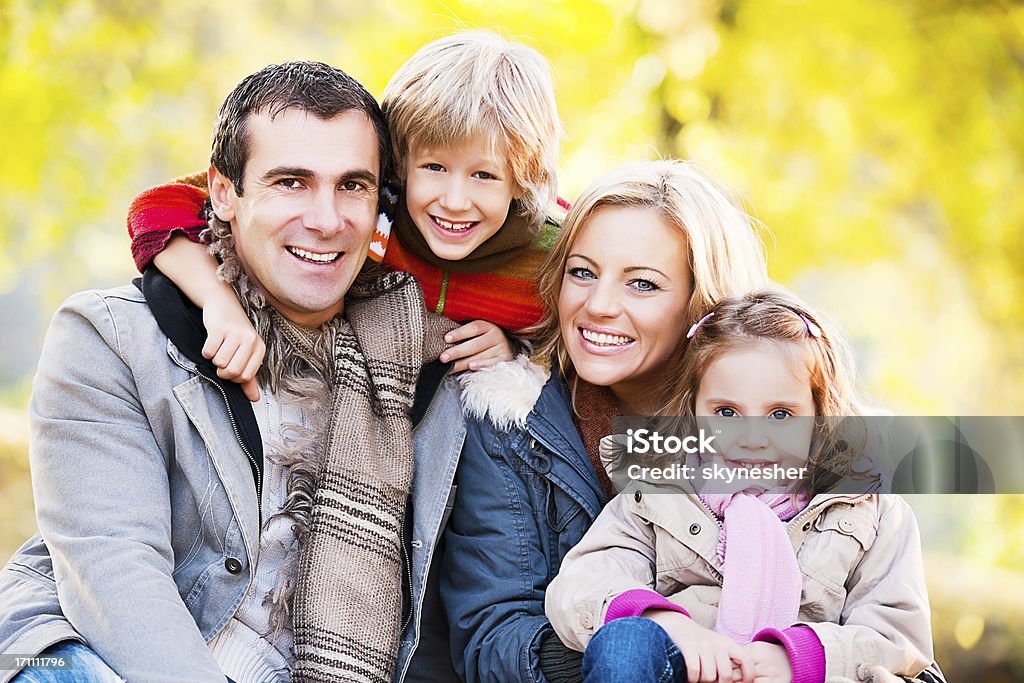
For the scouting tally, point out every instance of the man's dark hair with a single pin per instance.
(314, 87)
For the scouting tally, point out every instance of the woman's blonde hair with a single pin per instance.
(477, 83)
(778, 315)
(725, 253)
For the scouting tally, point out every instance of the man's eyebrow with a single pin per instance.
(364, 174)
(290, 171)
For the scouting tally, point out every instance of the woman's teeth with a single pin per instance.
(310, 256)
(603, 339)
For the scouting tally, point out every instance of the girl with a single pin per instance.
(644, 252)
(793, 584)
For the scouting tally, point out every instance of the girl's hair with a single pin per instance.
(725, 253)
(778, 315)
(477, 83)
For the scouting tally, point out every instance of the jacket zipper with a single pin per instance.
(405, 553)
(238, 435)
(439, 309)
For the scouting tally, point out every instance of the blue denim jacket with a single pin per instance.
(526, 494)
(146, 498)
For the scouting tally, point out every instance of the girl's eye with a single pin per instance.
(437, 168)
(779, 414)
(642, 285)
(726, 411)
(581, 273)
(484, 175)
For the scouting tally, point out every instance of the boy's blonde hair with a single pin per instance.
(477, 83)
(725, 253)
(777, 315)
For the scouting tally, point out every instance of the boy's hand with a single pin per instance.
(710, 657)
(232, 343)
(478, 344)
(771, 663)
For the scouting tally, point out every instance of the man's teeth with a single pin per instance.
(310, 256)
(454, 227)
(605, 339)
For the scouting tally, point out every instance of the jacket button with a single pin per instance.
(233, 565)
(585, 621)
(846, 525)
(638, 496)
(807, 526)
(695, 528)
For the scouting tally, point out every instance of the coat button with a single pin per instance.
(807, 526)
(638, 496)
(695, 529)
(233, 565)
(585, 621)
(846, 525)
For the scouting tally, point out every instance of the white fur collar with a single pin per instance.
(504, 393)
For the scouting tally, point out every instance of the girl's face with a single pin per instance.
(768, 383)
(622, 307)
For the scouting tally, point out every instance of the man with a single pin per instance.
(188, 535)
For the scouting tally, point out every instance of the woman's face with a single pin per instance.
(622, 308)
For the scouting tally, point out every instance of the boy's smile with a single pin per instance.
(458, 197)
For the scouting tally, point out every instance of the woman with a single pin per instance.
(644, 253)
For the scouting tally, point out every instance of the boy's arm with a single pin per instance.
(231, 341)
(161, 212)
(102, 496)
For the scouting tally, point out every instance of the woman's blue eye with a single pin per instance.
(642, 285)
(780, 414)
(725, 411)
(581, 273)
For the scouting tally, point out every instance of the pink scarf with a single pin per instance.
(761, 582)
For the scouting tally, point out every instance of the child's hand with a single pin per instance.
(478, 344)
(709, 656)
(770, 662)
(232, 343)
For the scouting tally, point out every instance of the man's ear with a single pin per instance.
(222, 195)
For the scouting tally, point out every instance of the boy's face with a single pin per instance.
(458, 196)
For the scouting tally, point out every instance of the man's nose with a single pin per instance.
(324, 212)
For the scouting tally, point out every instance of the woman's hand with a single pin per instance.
(232, 342)
(710, 657)
(771, 663)
(478, 344)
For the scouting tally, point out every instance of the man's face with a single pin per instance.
(304, 222)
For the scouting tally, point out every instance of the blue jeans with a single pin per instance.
(83, 665)
(632, 650)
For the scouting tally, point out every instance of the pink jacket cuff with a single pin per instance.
(633, 603)
(806, 653)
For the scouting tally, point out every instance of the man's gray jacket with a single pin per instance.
(146, 473)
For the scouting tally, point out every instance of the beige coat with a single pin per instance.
(860, 555)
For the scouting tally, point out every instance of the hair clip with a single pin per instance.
(696, 325)
(812, 329)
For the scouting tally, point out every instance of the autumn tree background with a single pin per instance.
(881, 143)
